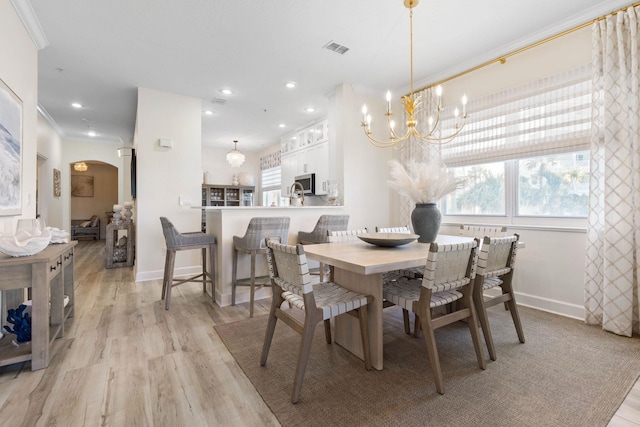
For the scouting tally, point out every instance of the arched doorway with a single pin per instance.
(94, 191)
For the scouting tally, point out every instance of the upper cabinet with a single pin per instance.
(306, 151)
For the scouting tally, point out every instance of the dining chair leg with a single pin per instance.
(253, 282)
(327, 330)
(321, 272)
(234, 275)
(416, 326)
(171, 258)
(405, 317)
(364, 335)
(513, 308)
(271, 327)
(204, 270)
(303, 356)
(481, 311)
(472, 323)
(165, 277)
(432, 352)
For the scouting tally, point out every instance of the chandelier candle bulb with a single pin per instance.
(389, 101)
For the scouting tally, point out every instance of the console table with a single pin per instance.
(119, 254)
(49, 274)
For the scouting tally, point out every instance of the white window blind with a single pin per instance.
(271, 179)
(549, 115)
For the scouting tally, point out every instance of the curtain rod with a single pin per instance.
(502, 59)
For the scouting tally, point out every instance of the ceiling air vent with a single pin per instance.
(217, 100)
(335, 47)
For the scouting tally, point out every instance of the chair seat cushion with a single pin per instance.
(404, 293)
(331, 298)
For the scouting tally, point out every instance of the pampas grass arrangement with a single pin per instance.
(423, 182)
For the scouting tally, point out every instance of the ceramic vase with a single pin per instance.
(426, 219)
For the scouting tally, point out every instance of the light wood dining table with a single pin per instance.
(360, 266)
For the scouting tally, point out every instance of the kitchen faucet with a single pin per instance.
(293, 191)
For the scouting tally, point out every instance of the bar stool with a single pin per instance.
(320, 233)
(177, 241)
(253, 244)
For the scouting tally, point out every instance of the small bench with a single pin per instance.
(84, 228)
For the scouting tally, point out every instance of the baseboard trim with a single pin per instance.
(561, 308)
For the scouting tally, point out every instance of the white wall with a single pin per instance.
(165, 175)
(214, 161)
(361, 169)
(50, 147)
(19, 71)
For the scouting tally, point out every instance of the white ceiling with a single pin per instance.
(100, 52)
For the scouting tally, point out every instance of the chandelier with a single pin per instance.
(235, 157)
(414, 104)
(80, 166)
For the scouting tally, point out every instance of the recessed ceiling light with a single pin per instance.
(281, 125)
(209, 113)
(226, 91)
(76, 105)
(290, 85)
(91, 133)
(310, 110)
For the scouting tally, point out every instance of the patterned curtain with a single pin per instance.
(613, 238)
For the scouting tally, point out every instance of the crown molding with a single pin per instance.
(31, 23)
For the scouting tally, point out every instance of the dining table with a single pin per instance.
(360, 267)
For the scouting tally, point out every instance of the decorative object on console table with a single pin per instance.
(117, 214)
(128, 214)
(425, 184)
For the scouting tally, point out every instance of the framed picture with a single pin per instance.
(81, 186)
(10, 151)
(56, 183)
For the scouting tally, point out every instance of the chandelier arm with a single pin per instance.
(385, 144)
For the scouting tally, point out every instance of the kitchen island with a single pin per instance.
(226, 222)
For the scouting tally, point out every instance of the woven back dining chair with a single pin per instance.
(449, 276)
(177, 241)
(345, 235)
(480, 231)
(495, 268)
(319, 234)
(321, 302)
(402, 229)
(252, 243)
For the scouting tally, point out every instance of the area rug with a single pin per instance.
(566, 374)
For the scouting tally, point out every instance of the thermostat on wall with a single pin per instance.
(167, 143)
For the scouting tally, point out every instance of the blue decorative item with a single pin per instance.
(21, 322)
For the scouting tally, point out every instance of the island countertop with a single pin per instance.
(224, 222)
(267, 208)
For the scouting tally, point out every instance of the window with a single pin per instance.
(525, 151)
(554, 185)
(482, 194)
(271, 193)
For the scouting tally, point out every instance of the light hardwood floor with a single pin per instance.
(125, 360)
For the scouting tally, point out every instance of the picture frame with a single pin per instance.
(57, 191)
(81, 186)
(11, 123)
